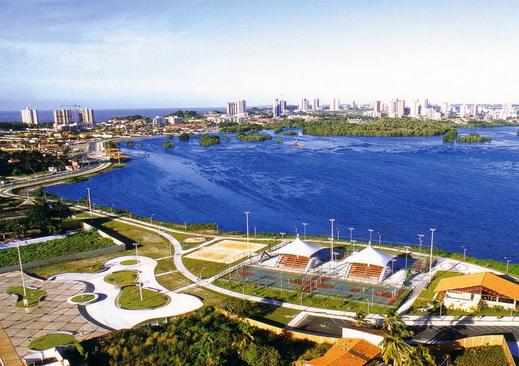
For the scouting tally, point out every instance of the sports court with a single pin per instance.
(316, 284)
(225, 251)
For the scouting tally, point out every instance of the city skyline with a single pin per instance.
(200, 54)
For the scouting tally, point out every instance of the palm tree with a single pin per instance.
(394, 325)
(396, 351)
(422, 356)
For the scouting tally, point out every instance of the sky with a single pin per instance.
(138, 54)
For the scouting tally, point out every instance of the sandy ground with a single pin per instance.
(225, 251)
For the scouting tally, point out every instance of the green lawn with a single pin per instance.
(294, 297)
(121, 278)
(182, 239)
(129, 262)
(129, 298)
(172, 281)
(279, 317)
(51, 341)
(164, 265)
(82, 298)
(33, 295)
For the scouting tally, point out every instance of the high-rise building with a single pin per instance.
(316, 105)
(304, 105)
(426, 103)
(86, 117)
(174, 120)
(62, 117)
(232, 108)
(239, 107)
(400, 107)
(353, 105)
(278, 108)
(30, 116)
(335, 104)
(464, 111)
(378, 106)
(414, 108)
(242, 106)
(474, 110)
(158, 120)
(506, 111)
(445, 109)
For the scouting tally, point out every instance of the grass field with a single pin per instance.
(129, 262)
(82, 298)
(33, 295)
(129, 298)
(51, 341)
(121, 278)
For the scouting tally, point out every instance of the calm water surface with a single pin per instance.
(399, 187)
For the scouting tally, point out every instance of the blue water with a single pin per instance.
(399, 187)
(101, 115)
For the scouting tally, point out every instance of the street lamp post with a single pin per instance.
(464, 253)
(304, 230)
(379, 238)
(89, 201)
(420, 238)
(406, 254)
(331, 232)
(393, 265)
(508, 260)
(247, 224)
(254, 231)
(282, 236)
(25, 302)
(338, 232)
(370, 234)
(112, 208)
(431, 254)
(136, 245)
(151, 218)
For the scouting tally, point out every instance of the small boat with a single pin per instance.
(298, 144)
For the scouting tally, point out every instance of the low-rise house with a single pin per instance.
(469, 292)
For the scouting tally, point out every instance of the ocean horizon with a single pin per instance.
(101, 115)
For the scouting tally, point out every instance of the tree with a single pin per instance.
(360, 319)
(259, 355)
(394, 347)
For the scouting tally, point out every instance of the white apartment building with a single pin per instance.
(30, 116)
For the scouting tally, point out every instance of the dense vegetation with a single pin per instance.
(253, 137)
(183, 137)
(393, 127)
(232, 127)
(208, 140)
(47, 218)
(15, 126)
(133, 118)
(28, 162)
(205, 337)
(488, 355)
(471, 138)
(185, 114)
(76, 243)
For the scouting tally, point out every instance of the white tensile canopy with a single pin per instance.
(370, 256)
(299, 248)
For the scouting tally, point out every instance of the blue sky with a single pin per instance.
(117, 54)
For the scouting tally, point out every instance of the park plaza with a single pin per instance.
(467, 292)
(367, 265)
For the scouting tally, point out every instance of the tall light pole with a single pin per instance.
(508, 260)
(420, 238)
(136, 245)
(464, 253)
(25, 302)
(338, 232)
(254, 231)
(406, 253)
(370, 234)
(431, 254)
(379, 239)
(351, 234)
(282, 236)
(151, 218)
(247, 224)
(304, 230)
(89, 201)
(331, 232)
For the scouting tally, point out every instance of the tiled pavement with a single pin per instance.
(52, 314)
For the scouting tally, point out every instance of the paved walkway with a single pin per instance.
(8, 354)
(106, 311)
(53, 314)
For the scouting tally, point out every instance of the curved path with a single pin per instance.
(105, 310)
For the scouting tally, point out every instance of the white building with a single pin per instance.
(158, 120)
(316, 106)
(304, 106)
(62, 118)
(414, 108)
(237, 108)
(174, 120)
(86, 117)
(467, 292)
(30, 116)
(507, 111)
(445, 109)
(278, 108)
(335, 104)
